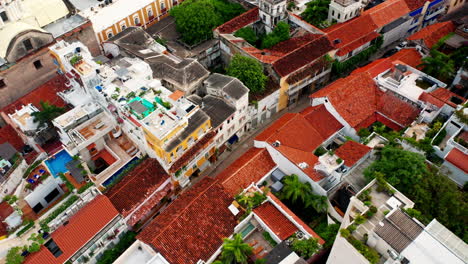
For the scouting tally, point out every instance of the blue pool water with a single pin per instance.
(57, 165)
(116, 175)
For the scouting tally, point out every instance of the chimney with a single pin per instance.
(398, 74)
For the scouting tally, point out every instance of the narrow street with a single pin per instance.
(246, 142)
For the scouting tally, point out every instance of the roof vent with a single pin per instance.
(65, 223)
(303, 165)
(337, 41)
(276, 144)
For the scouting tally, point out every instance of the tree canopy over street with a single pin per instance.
(196, 19)
(435, 195)
(249, 72)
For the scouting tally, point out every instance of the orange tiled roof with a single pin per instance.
(351, 152)
(5, 210)
(81, 227)
(303, 56)
(247, 169)
(352, 34)
(239, 22)
(458, 158)
(445, 95)
(297, 219)
(46, 92)
(357, 99)
(387, 12)
(324, 122)
(130, 196)
(9, 134)
(415, 4)
(410, 57)
(298, 156)
(275, 220)
(176, 95)
(432, 33)
(193, 226)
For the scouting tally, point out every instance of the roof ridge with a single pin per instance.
(251, 159)
(214, 182)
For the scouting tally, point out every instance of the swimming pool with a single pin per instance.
(57, 165)
(116, 175)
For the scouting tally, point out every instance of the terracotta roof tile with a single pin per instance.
(297, 156)
(138, 193)
(387, 12)
(275, 220)
(303, 56)
(415, 4)
(458, 158)
(297, 219)
(5, 210)
(324, 122)
(432, 33)
(247, 169)
(445, 95)
(239, 22)
(352, 34)
(351, 152)
(9, 134)
(410, 57)
(46, 92)
(193, 226)
(176, 95)
(357, 99)
(81, 227)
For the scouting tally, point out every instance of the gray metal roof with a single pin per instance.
(218, 109)
(230, 85)
(398, 230)
(74, 171)
(7, 151)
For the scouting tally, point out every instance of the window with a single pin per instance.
(333, 12)
(109, 34)
(339, 16)
(137, 20)
(51, 196)
(2, 83)
(150, 13)
(123, 25)
(27, 44)
(4, 16)
(163, 7)
(37, 64)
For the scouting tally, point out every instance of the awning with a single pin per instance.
(233, 139)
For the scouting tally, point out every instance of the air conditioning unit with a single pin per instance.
(300, 235)
(276, 144)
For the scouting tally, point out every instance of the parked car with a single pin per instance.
(389, 53)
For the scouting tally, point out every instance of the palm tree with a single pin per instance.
(49, 112)
(235, 250)
(438, 65)
(318, 202)
(294, 189)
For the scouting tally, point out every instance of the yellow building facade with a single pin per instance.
(149, 13)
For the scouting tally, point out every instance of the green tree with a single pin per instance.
(249, 71)
(294, 189)
(47, 114)
(248, 34)
(401, 168)
(438, 65)
(196, 19)
(306, 247)
(434, 195)
(316, 12)
(235, 250)
(327, 232)
(318, 202)
(280, 33)
(14, 256)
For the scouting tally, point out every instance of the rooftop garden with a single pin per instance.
(434, 195)
(265, 41)
(249, 71)
(316, 13)
(196, 19)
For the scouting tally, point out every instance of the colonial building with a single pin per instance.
(113, 16)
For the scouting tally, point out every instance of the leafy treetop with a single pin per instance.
(248, 71)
